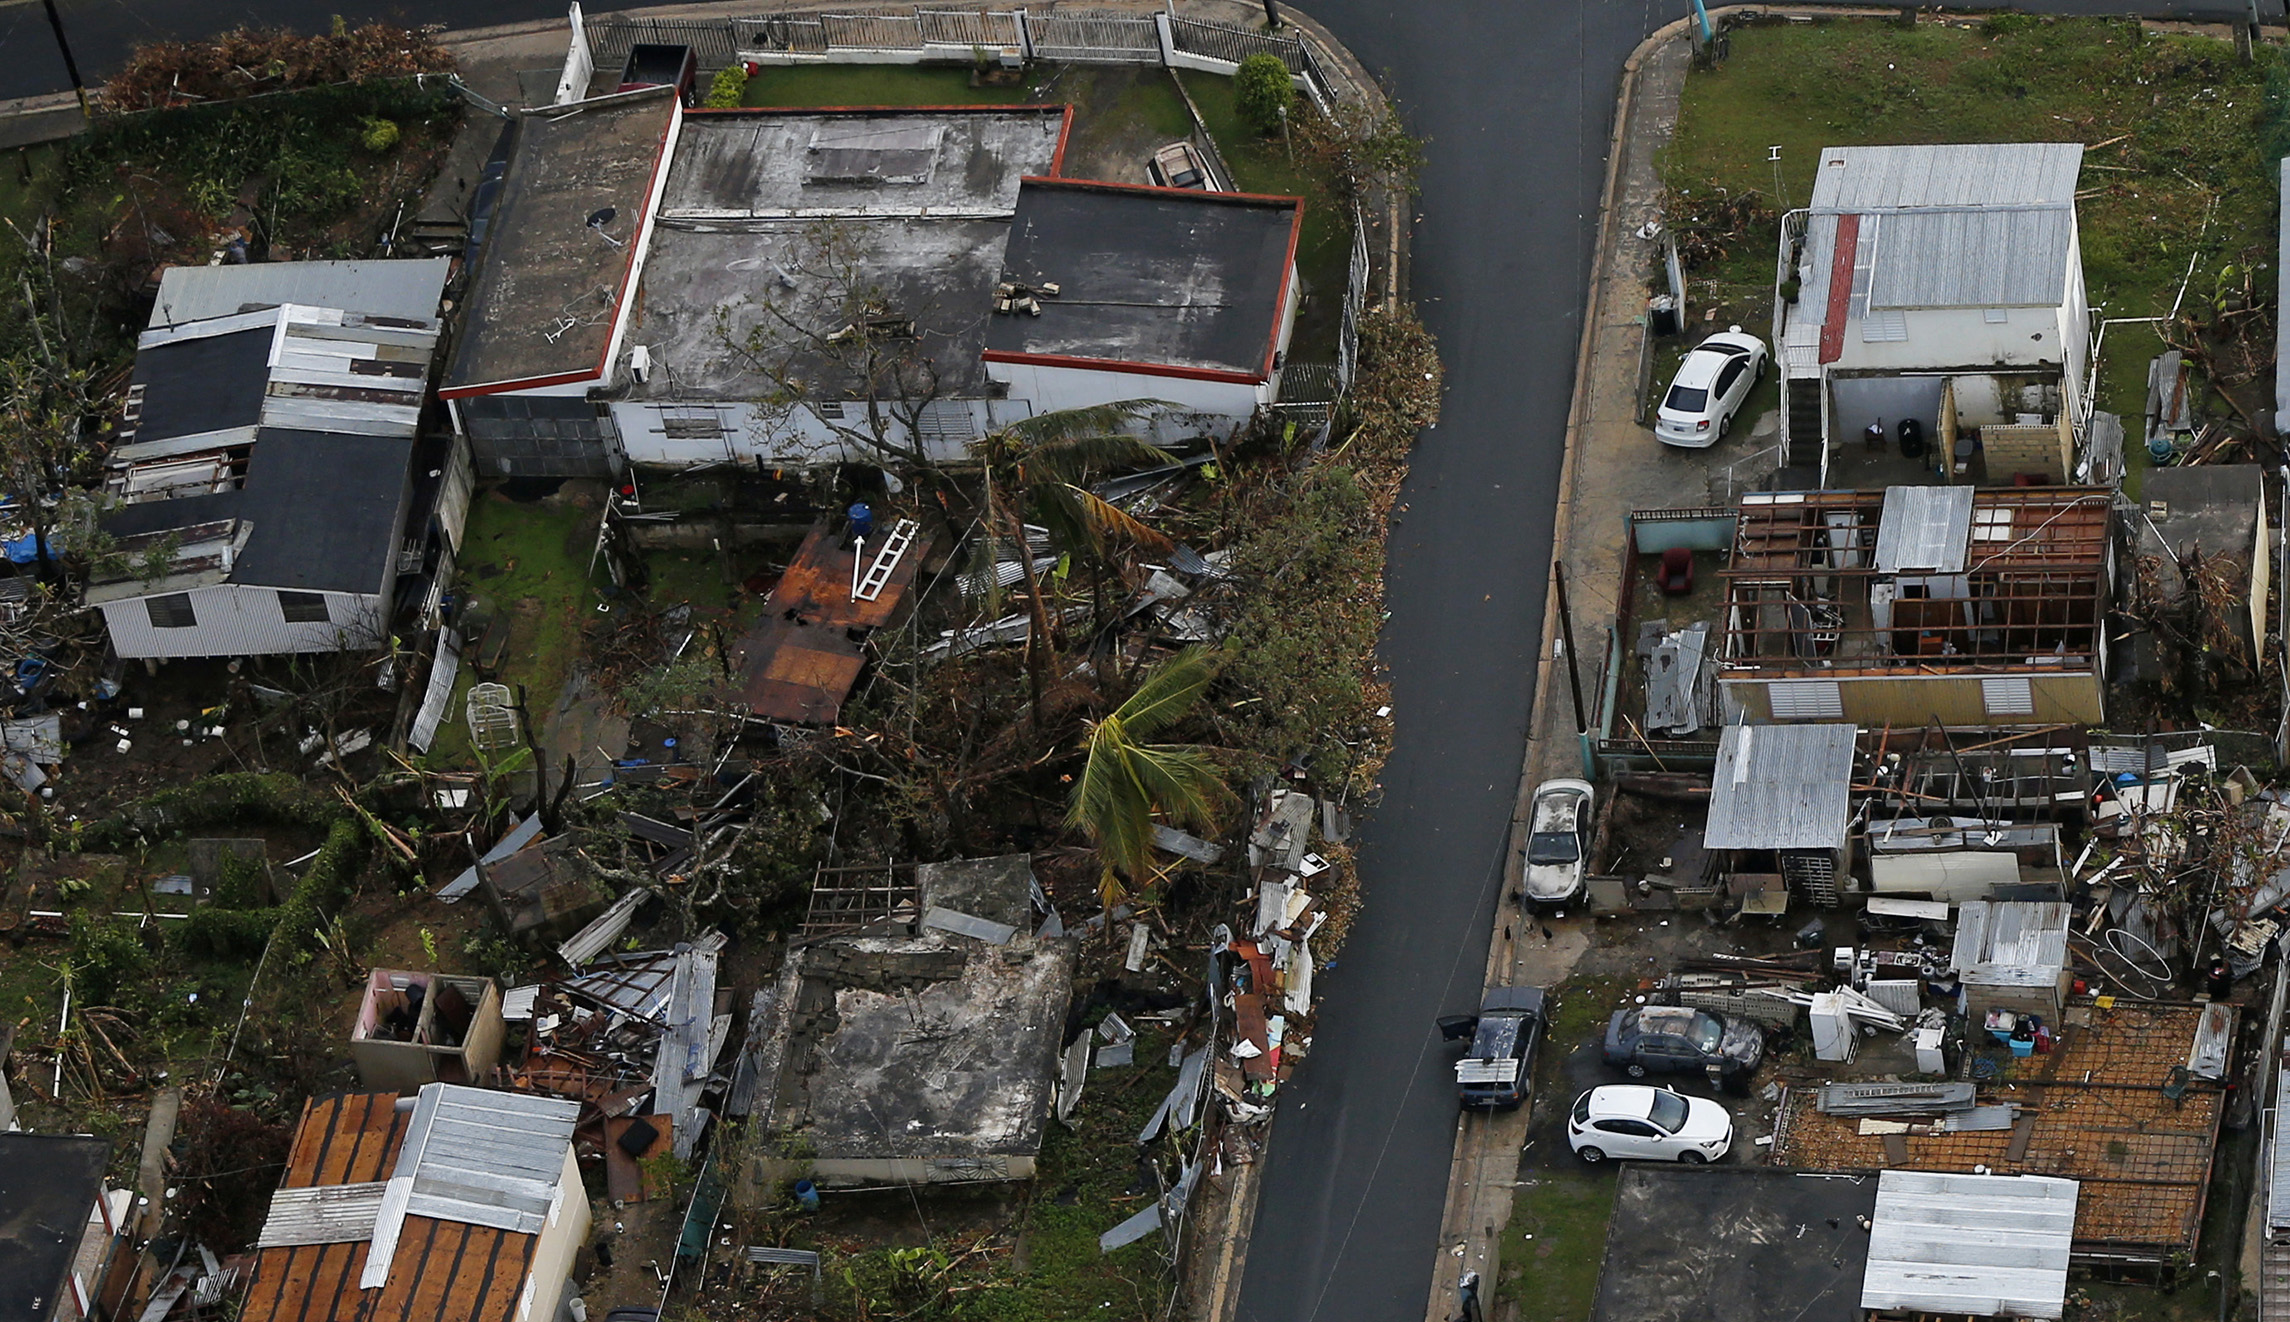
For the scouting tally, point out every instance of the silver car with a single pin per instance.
(1709, 389)
(1558, 843)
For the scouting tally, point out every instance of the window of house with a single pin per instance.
(304, 608)
(171, 612)
(1805, 699)
(2008, 696)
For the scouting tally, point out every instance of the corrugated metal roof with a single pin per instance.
(1975, 225)
(326, 1214)
(389, 288)
(1924, 530)
(1972, 259)
(1970, 1245)
(1949, 175)
(478, 1158)
(2015, 944)
(1782, 787)
(326, 370)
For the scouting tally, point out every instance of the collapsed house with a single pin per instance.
(273, 493)
(2127, 1102)
(388, 1202)
(417, 1028)
(920, 1048)
(1917, 606)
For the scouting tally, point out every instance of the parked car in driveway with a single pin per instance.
(1636, 1122)
(1709, 389)
(1178, 165)
(1652, 1039)
(1558, 846)
(1498, 1068)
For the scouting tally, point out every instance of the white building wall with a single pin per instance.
(560, 1239)
(1050, 389)
(235, 620)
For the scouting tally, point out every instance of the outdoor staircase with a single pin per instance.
(1804, 429)
(2274, 1280)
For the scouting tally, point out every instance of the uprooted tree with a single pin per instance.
(839, 348)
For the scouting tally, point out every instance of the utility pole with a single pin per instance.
(1566, 632)
(71, 66)
(1272, 14)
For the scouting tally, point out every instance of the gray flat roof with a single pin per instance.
(1734, 1244)
(1970, 1245)
(548, 286)
(1781, 787)
(779, 164)
(1154, 276)
(48, 1186)
(407, 288)
(771, 229)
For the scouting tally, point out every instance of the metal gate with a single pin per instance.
(1105, 38)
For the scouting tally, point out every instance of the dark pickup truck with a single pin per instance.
(1499, 1066)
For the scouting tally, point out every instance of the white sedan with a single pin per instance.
(1558, 843)
(1633, 1121)
(1709, 389)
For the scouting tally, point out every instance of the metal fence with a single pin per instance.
(1095, 38)
(1355, 302)
(711, 42)
(1232, 45)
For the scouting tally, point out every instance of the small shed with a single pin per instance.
(2213, 515)
(549, 888)
(1969, 1245)
(1781, 802)
(421, 1028)
(2012, 956)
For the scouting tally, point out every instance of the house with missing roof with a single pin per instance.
(803, 287)
(454, 1205)
(1944, 284)
(270, 453)
(1918, 605)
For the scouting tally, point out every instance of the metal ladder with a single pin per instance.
(886, 560)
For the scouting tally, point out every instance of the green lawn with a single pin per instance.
(1262, 165)
(1555, 1243)
(2172, 169)
(529, 563)
(810, 85)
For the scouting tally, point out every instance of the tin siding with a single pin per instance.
(244, 621)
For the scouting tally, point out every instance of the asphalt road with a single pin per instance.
(1516, 98)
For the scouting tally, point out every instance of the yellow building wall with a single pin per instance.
(1903, 701)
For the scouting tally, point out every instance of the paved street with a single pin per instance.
(1516, 98)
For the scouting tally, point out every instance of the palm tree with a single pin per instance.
(1039, 469)
(1125, 782)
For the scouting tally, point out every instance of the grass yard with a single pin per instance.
(528, 563)
(2173, 170)
(873, 85)
(1262, 165)
(1555, 1243)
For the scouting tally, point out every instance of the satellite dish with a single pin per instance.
(601, 217)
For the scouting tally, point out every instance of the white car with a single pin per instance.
(1635, 1122)
(1558, 845)
(1709, 388)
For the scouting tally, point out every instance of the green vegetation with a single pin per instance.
(729, 90)
(1263, 165)
(1124, 783)
(1263, 94)
(1553, 1247)
(2174, 172)
(873, 85)
(528, 563)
